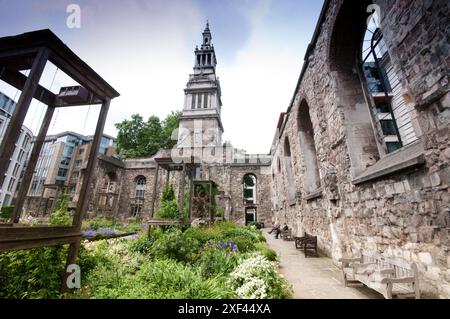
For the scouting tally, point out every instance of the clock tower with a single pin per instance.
(200, 122)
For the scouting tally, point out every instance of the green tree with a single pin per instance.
(137, 138)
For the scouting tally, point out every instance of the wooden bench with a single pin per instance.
(286, 234)
(390, 277)
(307, 243)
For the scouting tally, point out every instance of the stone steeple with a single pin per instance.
(201, 116)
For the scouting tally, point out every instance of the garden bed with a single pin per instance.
(219, 262)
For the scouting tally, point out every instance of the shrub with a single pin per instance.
(173, 244)
(61, 217)
(270, 254)
(256, 225)
(214, 261)
(258, 278)
(142, 244)
(168, 210)
(6, 212)
(34, 273)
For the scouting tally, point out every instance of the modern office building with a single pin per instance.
(20, 155)
(60, 166)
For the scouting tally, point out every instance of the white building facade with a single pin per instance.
(20, 155)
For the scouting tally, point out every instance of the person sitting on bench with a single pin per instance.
(274, 228)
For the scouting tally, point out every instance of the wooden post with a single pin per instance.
(210, 202)
(191, 190)
(181, 190)
(155, 188)
(15, 125)
(83, 199)
(34, 157)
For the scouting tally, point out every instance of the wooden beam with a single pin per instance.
(83, 200)
(191, 190)
(32, 162)
(15, 125)
(18, 80)
(181, 190)
(155, 189)
(39, 243)
(82, 79)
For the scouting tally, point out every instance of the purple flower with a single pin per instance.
(89, 233)
(106, 232)
(134, 236)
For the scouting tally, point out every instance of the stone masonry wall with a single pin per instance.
(404, 213)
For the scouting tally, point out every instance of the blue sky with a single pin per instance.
(144, 48)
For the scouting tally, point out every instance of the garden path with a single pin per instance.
(314, 278)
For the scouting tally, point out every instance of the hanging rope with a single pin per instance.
(43, 109)
(87, 114)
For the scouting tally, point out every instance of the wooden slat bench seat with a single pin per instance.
(390, 277)
(286, 235)
(307, 243)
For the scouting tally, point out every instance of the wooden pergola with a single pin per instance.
(187, 167)
(31, 51)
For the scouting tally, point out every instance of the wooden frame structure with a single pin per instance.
(169, 165)
(31, 51)
(187, 167)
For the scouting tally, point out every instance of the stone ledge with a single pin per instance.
(409, 157)
(313, 195)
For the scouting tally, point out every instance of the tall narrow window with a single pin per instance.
(141, 184)
(199, 102)
(308, 148)
(249, 189)
(205, 101)
(193, 100)
(291, 192)
(139, 194)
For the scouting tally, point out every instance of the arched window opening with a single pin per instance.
(141, 184)
(250, 189)
(308, 148)
(139, 196)
(391, 112)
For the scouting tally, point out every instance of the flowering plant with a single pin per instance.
(258, 278)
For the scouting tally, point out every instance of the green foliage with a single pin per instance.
(137, 138)
(270, 254)
(168, 193)
(215, 262)
(6, 212)
(256, 225)
(164, 279)
(31, 274)
(168, 208)
(174, 244)
(61, 217)
(141, 245)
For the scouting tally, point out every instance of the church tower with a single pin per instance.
(200, 123)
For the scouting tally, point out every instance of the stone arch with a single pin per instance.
(344, 60)
(308, 147)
